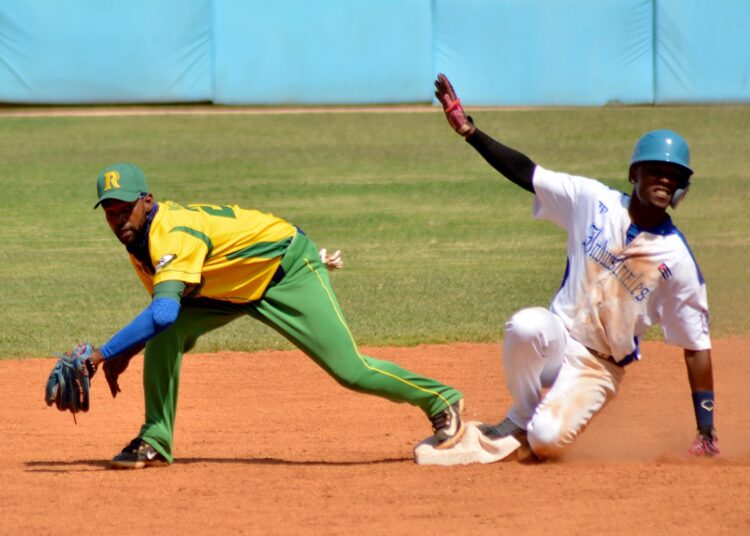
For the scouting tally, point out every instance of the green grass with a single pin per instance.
(437, 246)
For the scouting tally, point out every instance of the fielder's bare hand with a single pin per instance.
(332, 261)
(116, 365)
(452, 107)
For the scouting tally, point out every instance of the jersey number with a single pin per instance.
(221, 211)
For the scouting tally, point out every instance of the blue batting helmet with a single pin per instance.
(662, 146)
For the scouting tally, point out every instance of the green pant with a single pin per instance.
(303, 308)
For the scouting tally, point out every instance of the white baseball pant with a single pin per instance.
(539, 353)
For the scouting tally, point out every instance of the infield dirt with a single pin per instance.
(267, 443)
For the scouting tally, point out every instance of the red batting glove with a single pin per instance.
(454, 112)
(705, 446)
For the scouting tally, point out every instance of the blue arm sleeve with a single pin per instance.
(158, 316)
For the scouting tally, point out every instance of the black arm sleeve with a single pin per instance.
(516, 167)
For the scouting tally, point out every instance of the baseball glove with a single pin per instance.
(70, 380)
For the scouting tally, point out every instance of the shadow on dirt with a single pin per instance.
(53, 466)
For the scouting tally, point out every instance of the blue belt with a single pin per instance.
(279, 274)
(628, 359)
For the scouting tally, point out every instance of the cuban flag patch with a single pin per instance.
(666, 273)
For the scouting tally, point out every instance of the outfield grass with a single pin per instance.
(438, 247)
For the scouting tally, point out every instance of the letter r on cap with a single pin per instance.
(111, 180)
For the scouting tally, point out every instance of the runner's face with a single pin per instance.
(654, 183)
(127, 219)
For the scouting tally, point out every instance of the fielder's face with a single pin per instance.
(654, 183)
(128, 220)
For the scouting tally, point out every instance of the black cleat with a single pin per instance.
(448, 426)
(138, 455)
(505, 439)
(503, 429)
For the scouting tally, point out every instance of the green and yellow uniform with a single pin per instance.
(237, 262)
(222, 252)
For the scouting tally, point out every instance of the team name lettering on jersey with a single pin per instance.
(596, 249)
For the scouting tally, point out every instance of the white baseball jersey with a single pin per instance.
(620, 279)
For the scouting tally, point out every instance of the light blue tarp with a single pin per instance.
(497, 52)
(702, 51)
(322, 51)
(87, 51)
(516, 52)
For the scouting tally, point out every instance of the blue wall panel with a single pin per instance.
(497, 52)
(702, 51)
(560, 52)
(322, 51)
(80, 51)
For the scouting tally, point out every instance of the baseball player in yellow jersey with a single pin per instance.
(206, 265)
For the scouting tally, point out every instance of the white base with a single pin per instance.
(474, 447)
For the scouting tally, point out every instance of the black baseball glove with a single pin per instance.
(69, 382)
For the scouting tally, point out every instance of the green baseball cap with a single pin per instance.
(125, 182)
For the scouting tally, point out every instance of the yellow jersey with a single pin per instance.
(220, 252)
